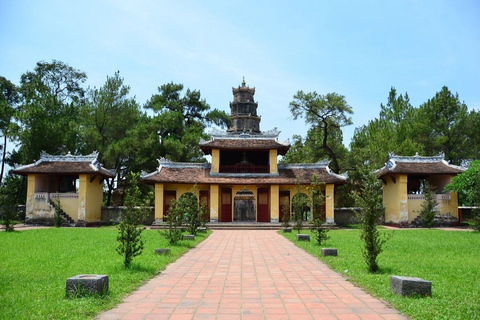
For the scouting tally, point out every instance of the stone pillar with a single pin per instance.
(274, 203)
(30, 204)
(159, 201)
(214, 205)
(329, 202)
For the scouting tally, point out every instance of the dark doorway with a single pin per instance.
(284, 205)
(244, 206)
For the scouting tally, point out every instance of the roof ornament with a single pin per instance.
(243, 82)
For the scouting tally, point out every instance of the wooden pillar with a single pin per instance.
(159, 201)
(329, 201)
(214, 206)
(274, 203)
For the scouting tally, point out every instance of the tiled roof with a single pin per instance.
(244, 142)
(68, 164)
(419, 165)
(200, 173)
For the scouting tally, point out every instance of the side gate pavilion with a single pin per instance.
(75, 181)
(244, 181)
(404, 179)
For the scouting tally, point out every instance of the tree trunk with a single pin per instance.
(330, 152)
(4, 155)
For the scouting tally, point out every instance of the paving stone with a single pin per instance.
(407, 286)
(329, 252)
(84, 284)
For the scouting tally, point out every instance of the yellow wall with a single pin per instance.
(30, 204)
(399, 209)
(449, 206)
(214, 202)
(444, 206)
(395, 198)
(90, 198)
(215, 161)
(329, 201)
(274, 203)
(69, 206)
(273, 161)
(414, 207)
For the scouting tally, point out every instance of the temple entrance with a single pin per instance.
(244, 206)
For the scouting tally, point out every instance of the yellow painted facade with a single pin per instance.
(214, 197)
(400, 207)
(82, 206)
(274, 203)
(214, 202)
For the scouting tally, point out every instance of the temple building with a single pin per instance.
(244, 181)
(404, 179)
(73, 182)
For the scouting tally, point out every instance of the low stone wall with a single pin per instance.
(111, 215)
(344, 216)
(466, 213)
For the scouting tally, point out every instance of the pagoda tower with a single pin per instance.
(243, 111)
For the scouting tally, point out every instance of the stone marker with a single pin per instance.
(303, 237)
(83, 284)
(407, 286)
(162, 251)
(188, 237)
(286, 230)
(329, 252)
(202, 229)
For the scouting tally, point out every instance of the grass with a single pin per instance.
(35, 264)
(449, 259)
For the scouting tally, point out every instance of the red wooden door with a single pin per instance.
(205, 198)
(226, 213)
(262, 206)
(168, 196)
(284, 196)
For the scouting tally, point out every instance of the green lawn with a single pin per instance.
(449, 259)
(35, 264)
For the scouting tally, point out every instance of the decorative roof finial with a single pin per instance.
(243, 82)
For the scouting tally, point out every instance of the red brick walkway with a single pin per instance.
(247, 274)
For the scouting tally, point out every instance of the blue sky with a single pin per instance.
(356, 48)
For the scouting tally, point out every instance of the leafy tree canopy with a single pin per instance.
(181, 121)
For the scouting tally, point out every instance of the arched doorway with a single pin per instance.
(301, 206)
(244, 206)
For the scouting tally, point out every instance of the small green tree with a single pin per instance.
(175, 222)
(429, 206)
(8, 213)
(57, 217)
(468, 182)
(129, 237)
(286, 213)
(369, 200)
(203, 213)
(191, 212)
(318, 229)
(300, 208)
